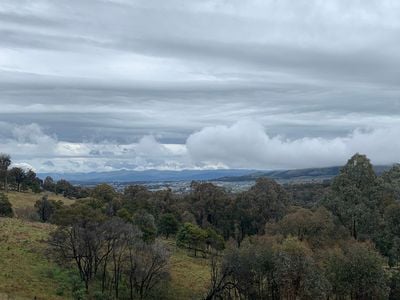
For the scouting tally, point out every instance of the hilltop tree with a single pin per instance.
(356, 198)
(5, 162)
(18, 175)
(49, 184)
(32, 181)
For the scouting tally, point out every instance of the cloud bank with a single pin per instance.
(244, 144)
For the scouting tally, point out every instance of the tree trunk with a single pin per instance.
(354, 229)
(5, 182)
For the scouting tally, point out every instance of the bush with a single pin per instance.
(5, 206)
(27, 213)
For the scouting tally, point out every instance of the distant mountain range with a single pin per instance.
(147, 175)
(230, 175)
(297, 175)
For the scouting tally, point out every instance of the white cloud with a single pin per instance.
(24, 166)
(148, 146)
(246, 144)
(30, 146)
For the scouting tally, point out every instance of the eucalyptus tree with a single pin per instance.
(18, 175)
(5, 162)
(266, 201)
(357, 197)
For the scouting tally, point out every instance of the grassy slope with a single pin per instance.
(190, 276)
(23, 200)
(25, 272)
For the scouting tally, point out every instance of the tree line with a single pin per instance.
(331, 240)
(21, 180)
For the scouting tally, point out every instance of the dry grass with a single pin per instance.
(190, 275)
(25, 272)
(24, 269)
(28, 199)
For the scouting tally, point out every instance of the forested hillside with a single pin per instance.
(331, 240)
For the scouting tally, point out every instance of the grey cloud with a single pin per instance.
(112, 72)
(48, 163)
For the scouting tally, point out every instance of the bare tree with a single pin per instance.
(221, 282)
(80, 243)
(118, 236)
(148, 266)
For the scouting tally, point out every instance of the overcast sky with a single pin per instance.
(264, 84)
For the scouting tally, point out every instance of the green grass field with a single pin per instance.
(25, 272)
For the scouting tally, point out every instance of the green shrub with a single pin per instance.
(5, 206)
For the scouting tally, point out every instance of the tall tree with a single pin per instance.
(147, 266)
(298, 275)
(45, 208)
(32, 181)
(212, 206)
(168, 225)
(49, 184)
(356, 198)
(145, 222)
(5, 162)
(18, 175)
(391, 179)
(266, 201)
